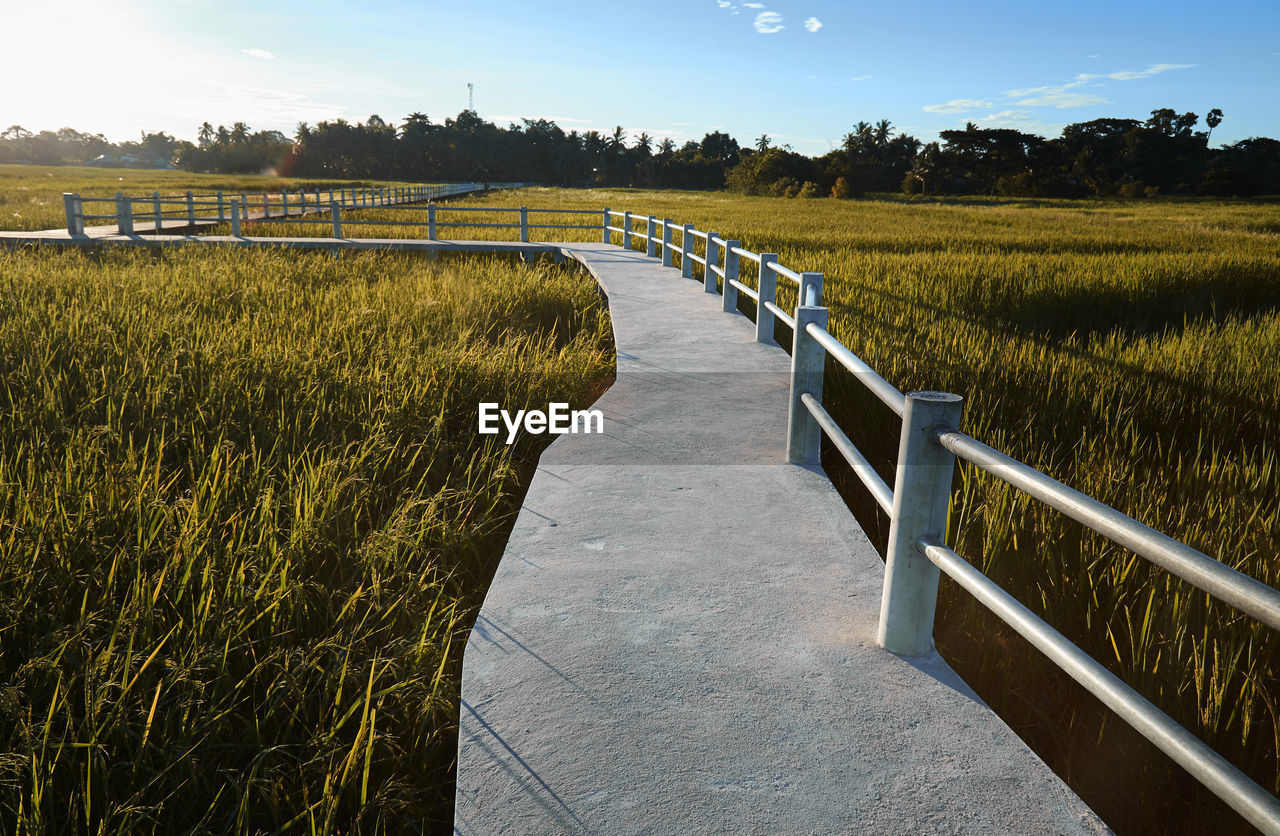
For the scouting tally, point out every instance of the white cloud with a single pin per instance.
(958, 106)
(860, 78)
(768, 23)
(1053, 89)
(754, 5)
(813, 24)
(1061, 100)
(1154, 69)
(1005, 117)
(1020, 120)
(258, 53)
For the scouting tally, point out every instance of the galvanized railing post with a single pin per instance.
(651, 232)
(626, 229)
(686, 263)
(266, 206)
(222, 214)
(605, 237)
(921, 495)
(810, 289)
(768, 292)
(75, 219)
(336, 213)
(731, 264)
(524, 224)
(244, 204)
(712, 256)
(235, 217)
(124, 214)
(808, 360)
(157, 213)
(191, 209)
(666, 243)
(284, 202)
(431, 222)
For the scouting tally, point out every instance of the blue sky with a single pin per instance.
(803, 72)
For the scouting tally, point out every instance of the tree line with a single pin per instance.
(1164, 154)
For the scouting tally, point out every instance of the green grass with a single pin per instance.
(31, 195)
(245, 523)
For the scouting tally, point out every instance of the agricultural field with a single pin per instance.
(246, 522)
(31, 195)
(1128, 348)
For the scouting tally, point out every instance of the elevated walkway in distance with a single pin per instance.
(680, 636)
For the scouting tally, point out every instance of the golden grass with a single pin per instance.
(245, 523)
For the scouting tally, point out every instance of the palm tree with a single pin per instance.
(762, 143)
(206, 134)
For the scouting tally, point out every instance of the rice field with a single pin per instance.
(246, 521)
(31, 195)
(1130, 349)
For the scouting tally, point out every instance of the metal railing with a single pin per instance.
(917, 505)
(127, 212)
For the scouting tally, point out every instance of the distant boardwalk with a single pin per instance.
(681, 636)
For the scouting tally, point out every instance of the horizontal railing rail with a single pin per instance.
(191, 209)
(918, 502)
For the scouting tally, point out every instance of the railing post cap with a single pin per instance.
(934, 397)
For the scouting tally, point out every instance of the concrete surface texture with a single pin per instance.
(680, 636)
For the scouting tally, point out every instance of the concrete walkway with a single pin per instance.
(681, 634)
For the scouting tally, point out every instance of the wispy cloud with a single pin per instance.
(725, 4)
(813, 24)
(958, 106)
(1154, 69)
(1021, 120)
(258, 53)
(1061, 100)
(1052, 89)
(767, 23)
(753, 5)
(860, 78)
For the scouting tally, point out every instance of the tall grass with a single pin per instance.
(1130, 349)
(31, 195)
(244, 524)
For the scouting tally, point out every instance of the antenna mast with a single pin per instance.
(471, 97)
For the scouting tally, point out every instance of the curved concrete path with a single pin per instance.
(680, 636)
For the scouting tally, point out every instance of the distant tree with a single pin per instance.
(762, 142)
(840, 191)
(1213, 120)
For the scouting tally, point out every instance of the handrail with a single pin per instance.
(1246, 594)
(862, 468)
(781, 314)
(918, 504)
(783, 271)
(742, 288)
(271, 206)
(881, 388)
(1258, 806)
